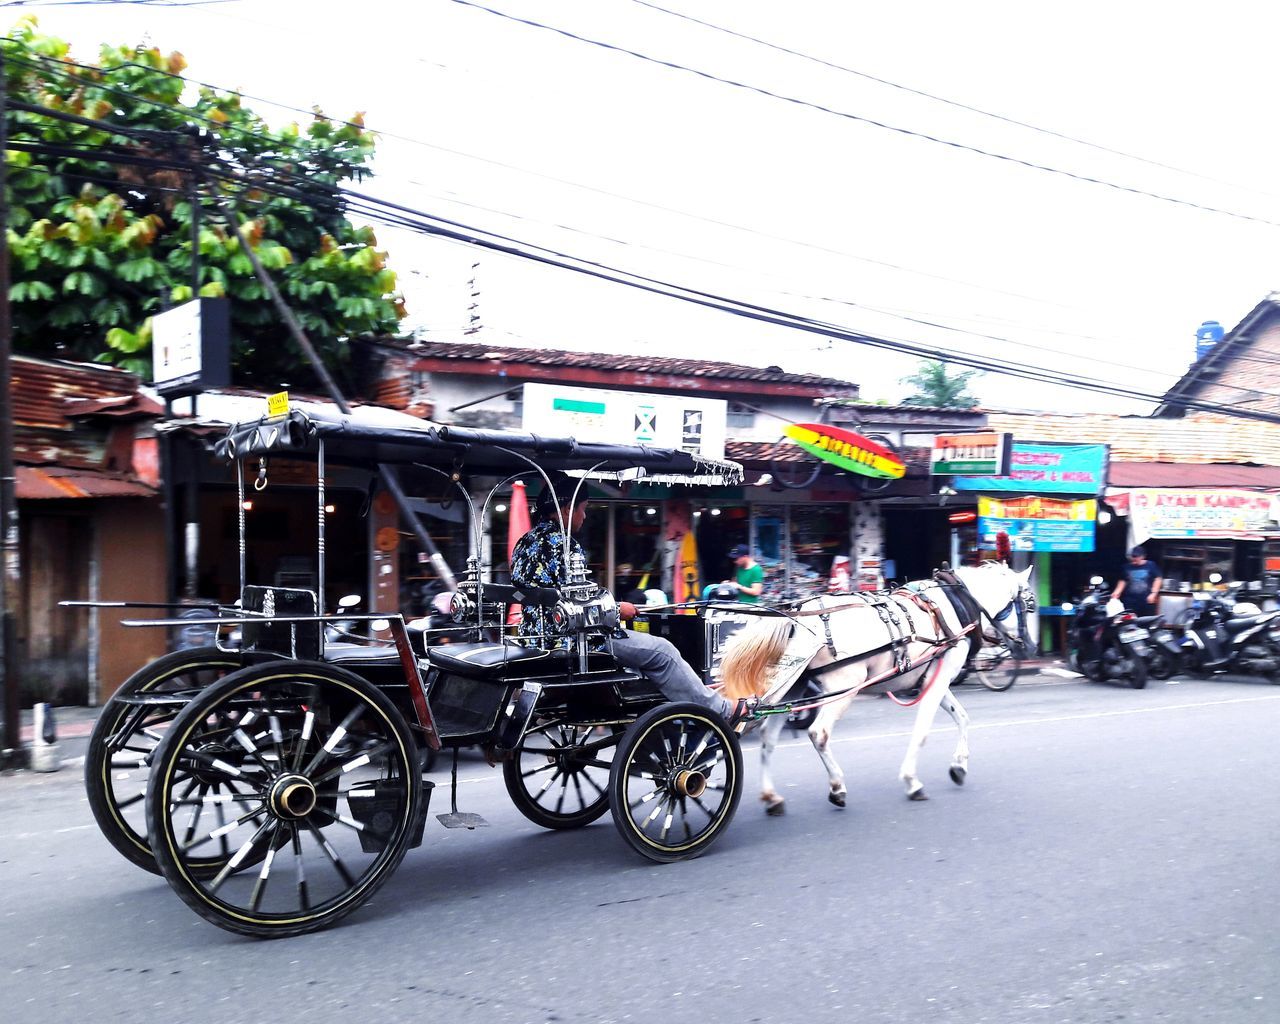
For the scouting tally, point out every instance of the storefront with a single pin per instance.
(1196, 533)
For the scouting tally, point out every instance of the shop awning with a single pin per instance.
(1170, 474)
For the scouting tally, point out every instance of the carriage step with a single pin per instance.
(461, 819)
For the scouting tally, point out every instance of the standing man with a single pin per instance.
(1139, 589)
(749, 578)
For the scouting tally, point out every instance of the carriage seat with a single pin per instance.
(482, 660)
(362, 654)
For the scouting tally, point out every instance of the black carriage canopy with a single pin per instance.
(370, 435)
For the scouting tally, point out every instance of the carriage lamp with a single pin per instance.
(461, 607)
(601, 612)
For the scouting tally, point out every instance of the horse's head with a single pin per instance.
(1005, 596)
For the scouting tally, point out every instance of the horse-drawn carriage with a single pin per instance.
(277, 782)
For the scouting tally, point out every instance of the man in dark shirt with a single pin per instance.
(1139, 590)
(539, 561)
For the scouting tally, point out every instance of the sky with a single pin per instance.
(821, 213)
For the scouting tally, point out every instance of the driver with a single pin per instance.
(539, 561)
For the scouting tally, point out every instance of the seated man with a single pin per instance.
(539, 561)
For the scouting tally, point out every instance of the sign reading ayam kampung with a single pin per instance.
(847, 450)
(985, 454)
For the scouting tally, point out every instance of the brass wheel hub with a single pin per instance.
(292, 797)
(690, 783)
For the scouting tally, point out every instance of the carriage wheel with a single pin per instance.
(996, 668)
(559, 775)
(675, 782)
(315, 775)
(117, 762)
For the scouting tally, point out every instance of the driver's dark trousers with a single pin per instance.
(658, 660)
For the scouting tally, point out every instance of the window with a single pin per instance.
(740, 417)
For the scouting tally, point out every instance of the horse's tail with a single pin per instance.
(750, 656)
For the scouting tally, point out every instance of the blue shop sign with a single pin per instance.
(1046, 469)
(1038, 534)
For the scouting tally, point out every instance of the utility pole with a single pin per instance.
(389, 478)
(12, 754)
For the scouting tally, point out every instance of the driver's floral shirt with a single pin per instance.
(538, 561)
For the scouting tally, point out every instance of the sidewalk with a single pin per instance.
(70, 723)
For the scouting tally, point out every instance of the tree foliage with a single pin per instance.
(935, 388)
(101, 221)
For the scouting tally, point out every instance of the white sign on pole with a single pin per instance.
(682, 422)
(190, 347)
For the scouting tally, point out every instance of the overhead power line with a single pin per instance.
(942, 99)
(409, 140)
(860, 119)
(400, 215)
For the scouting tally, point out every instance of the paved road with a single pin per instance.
(1112, 858)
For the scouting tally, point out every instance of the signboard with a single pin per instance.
(1036, 468)
(1171, 513)
(691, 424)
(1038, 524)
(971, 454)
(191, 347)
(847, 450)
(278, 404)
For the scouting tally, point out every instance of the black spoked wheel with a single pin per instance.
(300, 768)
(1135, 670)
(559, 775)
(117, 762)
(996, 667)
(676, 781)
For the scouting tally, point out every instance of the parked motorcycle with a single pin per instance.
(1222, 633)
(1107, 642)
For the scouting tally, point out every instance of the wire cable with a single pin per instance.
(923, 136)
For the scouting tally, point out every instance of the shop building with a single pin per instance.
(90, 526)
(635, 533)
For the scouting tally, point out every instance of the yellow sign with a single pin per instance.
(1033, 507)
(278, 404)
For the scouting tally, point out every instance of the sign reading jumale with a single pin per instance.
(847, 450)
(985, 454)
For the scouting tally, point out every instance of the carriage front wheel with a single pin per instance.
(303, 771)
(675, 782)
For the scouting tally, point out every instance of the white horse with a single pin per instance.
(917, 636)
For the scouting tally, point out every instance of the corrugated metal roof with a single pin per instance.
(1198, 438)
(53, 482)
(1167, 474)
(43, 389)
(611, 361)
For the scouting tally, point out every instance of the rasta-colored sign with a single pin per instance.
(847, 450)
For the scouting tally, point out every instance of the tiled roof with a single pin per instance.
(1198, 438)
(633, 363)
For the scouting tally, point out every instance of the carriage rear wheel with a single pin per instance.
(676, 781)
(117, 762)
(559, 775)
(302, 767)
(996, 667)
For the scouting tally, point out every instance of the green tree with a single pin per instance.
(100, 221)
(936, 389)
